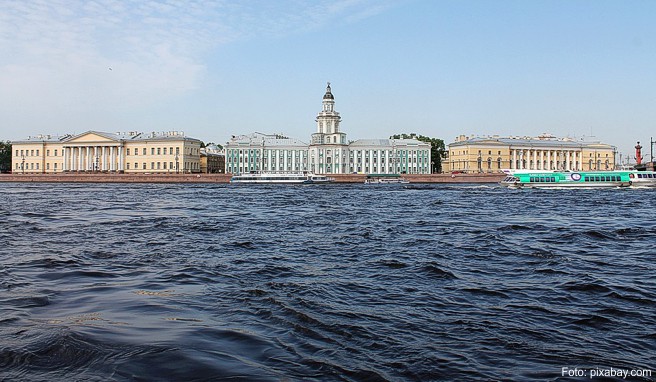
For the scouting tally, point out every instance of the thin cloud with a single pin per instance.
(56, 55)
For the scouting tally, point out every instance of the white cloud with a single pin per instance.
(56, 54)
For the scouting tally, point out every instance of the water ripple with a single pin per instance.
(338, 283)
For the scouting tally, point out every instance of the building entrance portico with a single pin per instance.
(93, 158)
(93, 152)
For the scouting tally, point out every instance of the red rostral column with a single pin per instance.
(638, 156)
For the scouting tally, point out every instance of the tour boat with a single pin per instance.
(567, 179)
(643, 178)
(280, 178)
(385, 179)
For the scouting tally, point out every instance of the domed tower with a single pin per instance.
(328, 147)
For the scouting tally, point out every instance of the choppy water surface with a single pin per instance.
(337, 283)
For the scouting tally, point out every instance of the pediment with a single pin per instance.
(92, 136)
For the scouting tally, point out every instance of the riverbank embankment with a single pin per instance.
(225, 178)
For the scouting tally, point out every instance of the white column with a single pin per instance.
(541, 166)
(567, 161)
(120, 158)
(112, 160)
(65, 167)
(95, 164)
(103, 158)
(513, 164)
(79, 159)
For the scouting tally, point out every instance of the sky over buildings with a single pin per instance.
(213, 69)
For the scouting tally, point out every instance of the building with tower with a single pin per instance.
(329, 151)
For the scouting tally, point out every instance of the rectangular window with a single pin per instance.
(171, 165)
(127, 151)
(47, 153)
(144, 152)
(136, 165)
(144, 164)
(164, 150)
(47, 166)
(136, 151)
(31, 153)
(159, 151)
(152, 151)
(171, 150)
(127, 166)
(158, 163)
(56, 152)
(37, 152)
(164, 164)
(152, 165)
(55, 166)
(177, 151)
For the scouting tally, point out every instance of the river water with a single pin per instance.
(334, 283)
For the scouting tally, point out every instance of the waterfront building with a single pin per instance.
(329, 151)
(545, 152)
(212, 160)
(94, 151)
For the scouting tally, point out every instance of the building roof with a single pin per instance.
(528, 141)
(257, 139)
(119, 136)
(387, 142)
(329, 94)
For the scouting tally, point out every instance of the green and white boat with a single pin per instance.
(567, 179)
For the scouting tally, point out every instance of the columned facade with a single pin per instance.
(93, 151)
(543, 153)
(541, 159)
(93, 158)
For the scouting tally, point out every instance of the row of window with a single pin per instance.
(154, 150)
(358, 153)
(29, 153)
(164, 166)
(135, 151)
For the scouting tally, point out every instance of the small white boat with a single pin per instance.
(385, 179)
(280, 178)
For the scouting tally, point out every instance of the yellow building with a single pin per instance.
(95, 151)
(545, 152)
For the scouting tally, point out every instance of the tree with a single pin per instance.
(438, 150)
(5, 156)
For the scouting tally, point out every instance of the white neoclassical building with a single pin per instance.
(329, 152)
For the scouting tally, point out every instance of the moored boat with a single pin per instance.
(385, 179)
(280, 178)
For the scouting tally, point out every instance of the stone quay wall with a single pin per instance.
(225, 178)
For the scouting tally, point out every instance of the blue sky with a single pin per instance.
(441, 68)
